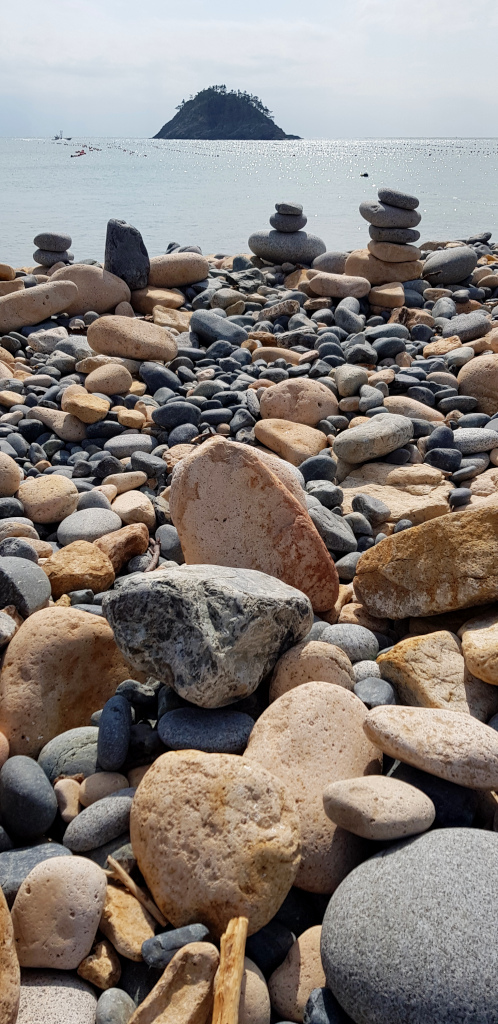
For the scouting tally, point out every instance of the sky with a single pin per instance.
(327, 69)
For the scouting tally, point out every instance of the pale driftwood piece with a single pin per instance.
(230, 972)
(136, 891)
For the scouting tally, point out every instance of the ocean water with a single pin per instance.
(214, 194)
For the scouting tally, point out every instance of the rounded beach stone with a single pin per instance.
(309, 737)
(396, 964)
(55, 998)
(214, 731)
(99, 823)
(111, 379)
(449, 266)
(179, 799)
(16, 864)
(339, 285)
(279, 247)
(358, 643)
(87, 408)
(449, 744)
(132, 338)
(98, 291)
(79, 566)
(61, 665)
(10, 476)
(479, 379)
(32, 305)
(23, 584)
(47, 258)
(57, 911)
(53, 241)
(381, 435)
(27, 800)
(384, 215)
(391, 253)
(362, 263)
(377, 807)
(9, 967)
(100, 785)
(294, 442)
(124, 445)
(395, 198)
(480, 647)
(307, 661)
(88, 524)
(372, 691)
(67, 792)
(114, 733)
(300, 400)
(254, 1004)
(330, 262)
(48, 499)
(114, 1007)
(290, 986)
(134, 507)
(158, 951)
(176, 269)
(73, 752)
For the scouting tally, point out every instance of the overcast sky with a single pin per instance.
(327, 69)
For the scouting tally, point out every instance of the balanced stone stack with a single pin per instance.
(287, 243)
(391, 256)
(52, 248)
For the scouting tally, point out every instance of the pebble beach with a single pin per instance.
(249, 628)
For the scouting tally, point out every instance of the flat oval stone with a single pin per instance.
(182, 796)
(449, 744)
(398, 964)
(309, 737)
(114, 733)
(100, 822)
(383, 215)
(381, 435)
(357, 642)
(27, 800)
(158, 951)
(378, 808)
(73, 752)
(213, 731)
(395, 198)
(88, 524)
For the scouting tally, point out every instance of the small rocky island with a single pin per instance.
(216, 113)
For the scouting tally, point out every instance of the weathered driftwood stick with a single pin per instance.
(230, 972)
(123, 876)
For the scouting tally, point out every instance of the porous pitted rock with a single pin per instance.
(230, 508)
(55, 997)
(32, 305)
(210, 632)
(479, 379)
(134, 339)
(309, 737)
(309, 660)
(79, 566)
(292, 983)
(9, 967)
(61, 663)
(378, 808)
(300, 400)
(10, 476)
(243, 819)
(48, 499)
(254, 1004)
(98, 291)
(480, 647)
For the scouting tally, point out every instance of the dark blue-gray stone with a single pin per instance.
(158, 951)
(447, 459)
(170, 543)
(120, 849)
(381, 215)
(73, 752)
(374, 692)
(322, 1008)
(16, 547)
(100, 822)
(175, 414)
(459, 496)
(335, 531)
(24, 584)
(213, 731)
(441, 437)
(211, 327)
(450, 266)
(15, 865)
(28, 804)
(114, 1007)
(126, 255)
(375, 510)
(278, 247)
(327, 493)
(425, 952)
(114, 733)
(288, 222)
(395, 198)
(268, 947)
(346, 566)
(137, 980)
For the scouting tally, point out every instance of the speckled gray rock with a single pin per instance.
(226, 628)
(23, 584)
(474, 439)
(333, 529)
(55, 997)
(288, 222)
(158, 951)
(278, 247)
(468, 326)
(374, 692)
(395, 198)
(374, 509)
(73, 752)
(16, 864)
(381, 215)
(214, 731)
(330, 262)
(125, 445)
(358, 643)
(53, 241)
(28, 804)
(119, 848)
(366, 670)
(322, 1008)
(100, 822)
(87, 524)
(126, 255)
(381, 435)
(450, 266)
(432, 959)
(114, 1007)
(46, 258)
(400, 236)
(7, 629)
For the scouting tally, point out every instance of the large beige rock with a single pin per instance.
(378, 808)
(401, 405)
(311, 660)
(134, 507)
(448, 744)
(61, 663)
(281, 469)
(87, 408)
(98, 290)
(48, 499)
(309, 737)
(10, 476)
(52, 996)
(230, 509)
(146, 300)
(292, 983)
(239, 815)
(444, 564)
(479, 379)
(361, 263)
(67, 427)
(166, 317)
(56, 912)
(124, 544)
(111, 379)
(480, 647)
(177, 268)
(9, 967)
(339, 286)
(295, 442)
(7, 273)
(299, 400)
(391, 253)
(125, 922)
(254, 1004)
(79, 566)
(31, 305)
(136, 339)
(429, 672)
(184, 994)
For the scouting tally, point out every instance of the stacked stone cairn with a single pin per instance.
(52, 248)
(287, 242)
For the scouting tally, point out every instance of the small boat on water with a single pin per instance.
(82, 152)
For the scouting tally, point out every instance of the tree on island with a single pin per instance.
(220, 113)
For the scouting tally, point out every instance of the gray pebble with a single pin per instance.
(100, 822)
(366, 670)
(214, 731)
(124, 445)
(27, 801)
(375, 692)
(23, 584)
(73, 752)
(358, 643)
(89, 524)
(158, 951)
(114, 1007)
(15, 865)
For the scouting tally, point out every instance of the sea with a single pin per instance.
(215, 194)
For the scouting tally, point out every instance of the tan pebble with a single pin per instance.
(354, 613)
(108, 490)
(137, 387)
(64, 424)
(125, 922)
(254, 1004)
(99, 785)
(300, 400)
(448, 744)
(184, 993)
(146, 300)
(67, 792)
(56, 912)
(7, 273)
(48, 499)
(10, 476)
(295, 442)
(87, 408)
(240, 812)
(9, 964)
(42, 464)
(126, 481)
(4, 749)
(101, 967)
(110, 379)
(124, 309)
(223, 429)
(177, 269)
(32, 305)
(271, 352)
(378, 808)
(124, 544)
(135, 339)
(79, 566)
(10, 398)
(311, 736)
(135, 775)
(401, 405)
(174, 319)
(135, 507)
(131, 418)
(292, 983)
(480, 647)
(308, 661)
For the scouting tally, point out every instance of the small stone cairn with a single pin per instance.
(287, 243)
(52, 249)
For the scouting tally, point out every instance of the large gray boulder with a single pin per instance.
(450, 266)
(211, 632)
